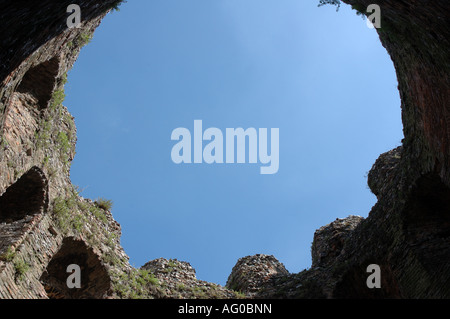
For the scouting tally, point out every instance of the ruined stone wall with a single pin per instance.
(39, 207)
(407, 232)
(45, 225)
(416, 34)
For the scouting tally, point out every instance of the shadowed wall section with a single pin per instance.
(426, 221)
(40, 81)
(95, 281)
(20, 204)
(28, 196)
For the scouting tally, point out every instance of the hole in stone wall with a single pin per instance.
(40, 80)
(427, 229)
(28, 196)
(428, 209)
(354, 283)
(95, 282)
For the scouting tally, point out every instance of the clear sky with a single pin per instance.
(320, 76)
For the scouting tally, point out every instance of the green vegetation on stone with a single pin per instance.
(58, 98)
(21, 267)
(137, 284)
(84, 39)
(9, 255)
(105, 204)
(64, 146)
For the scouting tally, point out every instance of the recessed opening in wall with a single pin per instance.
(27, 196)
(39, 81)
(32, 95)
(230, 68)
(95, 282)
(427, 224)
(354, 283)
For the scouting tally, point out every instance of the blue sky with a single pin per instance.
(320, 76)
